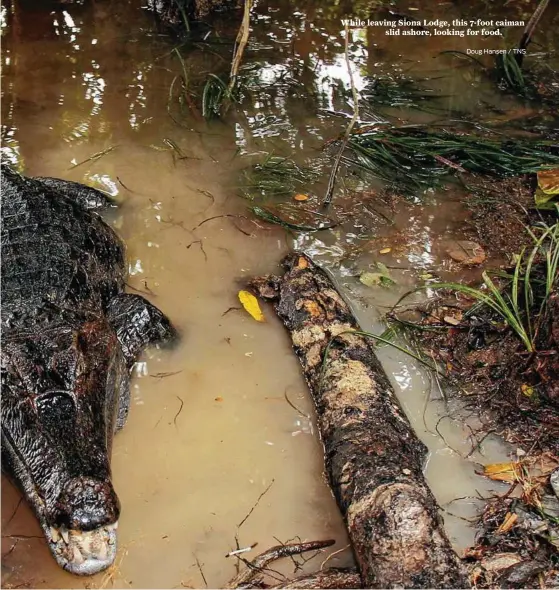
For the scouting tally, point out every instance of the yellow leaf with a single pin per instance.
(250, 303)
(508, 522)
(302, 262)
(509, 472)
(218, 399)
(301, 197)
(385, 250)
(548, 181)
(527, 390)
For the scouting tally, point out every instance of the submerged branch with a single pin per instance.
(259, 563)
(335, 167)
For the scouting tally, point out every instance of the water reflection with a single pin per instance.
(79, 80)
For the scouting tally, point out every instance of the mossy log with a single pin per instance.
(373, 458)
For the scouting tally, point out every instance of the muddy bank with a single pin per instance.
(498, 348)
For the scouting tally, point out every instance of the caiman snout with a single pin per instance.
(84, 538)
(86, 503)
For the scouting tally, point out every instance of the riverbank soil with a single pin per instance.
(509, 377)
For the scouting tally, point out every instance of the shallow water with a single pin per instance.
(210, 429)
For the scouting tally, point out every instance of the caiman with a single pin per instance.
(70, 335)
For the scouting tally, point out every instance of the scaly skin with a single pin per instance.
(66, 357)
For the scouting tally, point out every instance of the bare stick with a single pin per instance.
(530, 28)
(242, 40)
(13, 513)
(94, 157)
(255, 505)
(201, 570)
(332, 180)
(180, 410)
(261, 561)
(333, 555)
(217, 217)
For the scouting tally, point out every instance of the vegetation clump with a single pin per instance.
(416, 158)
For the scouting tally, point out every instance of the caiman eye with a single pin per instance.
(56, 410)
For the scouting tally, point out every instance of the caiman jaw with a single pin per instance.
(83, 553)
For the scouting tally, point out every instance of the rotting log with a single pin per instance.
(373, 458)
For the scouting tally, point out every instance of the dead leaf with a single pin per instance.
(509, 472)
(466, 252)
(302, 262)
(251, 305)
(218, 399)
(385, 250)
(548, 189)
(500, 561)
(451, 320)
(548, 181)
(301, 197)
(508, 522)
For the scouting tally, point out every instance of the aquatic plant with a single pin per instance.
(398, 92)
(415, 158)
(213, 96)
(276, 176)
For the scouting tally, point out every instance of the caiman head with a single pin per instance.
(60, 392)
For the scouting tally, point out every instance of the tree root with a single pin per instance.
(252, 576)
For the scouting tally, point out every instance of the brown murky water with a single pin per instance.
(210, 429)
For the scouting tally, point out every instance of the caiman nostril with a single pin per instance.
(86, 504)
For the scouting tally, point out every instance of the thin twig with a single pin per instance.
(332, 179)
(530, 28)
(218, 217)
(14, 512)
(332, 555)
(295, 407)
(180, 410)
(201, 570)
(239, 551)
(93, 157)
(123, 185)
(261, 561)
(242, 39)
(146, 292)
(165, 374)
(201, 248)
(255, 505)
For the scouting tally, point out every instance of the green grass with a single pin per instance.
(522, 302)
(415, 158)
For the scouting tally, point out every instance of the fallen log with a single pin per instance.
(373, 458)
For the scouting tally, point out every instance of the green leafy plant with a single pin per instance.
(522, 303)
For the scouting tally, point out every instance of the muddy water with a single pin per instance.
(210, 430)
